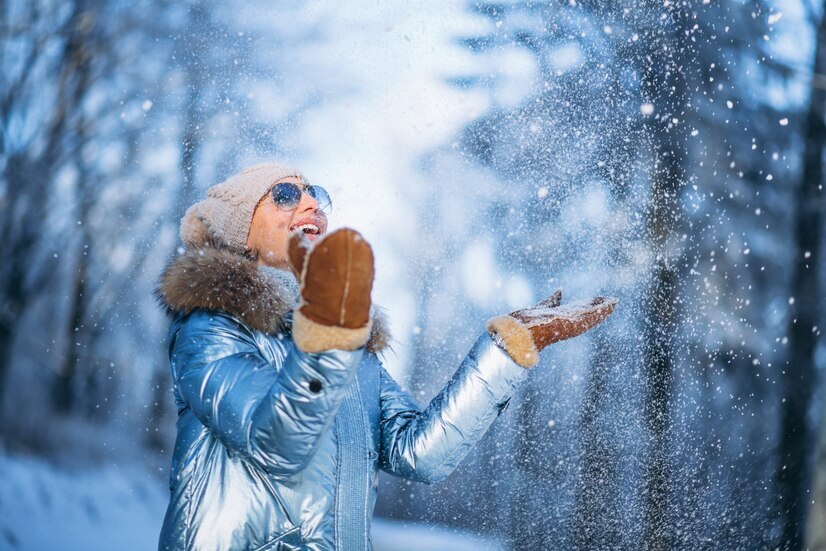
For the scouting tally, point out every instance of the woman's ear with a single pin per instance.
(251, 254)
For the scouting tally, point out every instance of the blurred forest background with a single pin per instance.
(669, 153)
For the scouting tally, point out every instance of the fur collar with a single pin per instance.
(217, 279)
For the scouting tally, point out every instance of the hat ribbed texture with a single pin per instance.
(223, 219)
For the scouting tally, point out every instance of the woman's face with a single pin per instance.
(271, 226)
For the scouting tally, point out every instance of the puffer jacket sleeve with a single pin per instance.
(274, 418)
(426, 445)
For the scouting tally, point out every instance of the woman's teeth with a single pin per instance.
(310, 229)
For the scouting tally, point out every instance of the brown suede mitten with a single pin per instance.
(336, 278)
(524, 333)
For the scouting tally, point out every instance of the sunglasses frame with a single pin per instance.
(309, 189)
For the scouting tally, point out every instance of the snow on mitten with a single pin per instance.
(336, 277)
(524, 333)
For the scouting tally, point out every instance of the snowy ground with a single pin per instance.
(46, 507)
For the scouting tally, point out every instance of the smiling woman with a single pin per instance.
(285, 412)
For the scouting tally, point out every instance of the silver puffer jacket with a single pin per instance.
(280, 449)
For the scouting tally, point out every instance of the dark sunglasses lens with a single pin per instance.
(286, 195)
(325, 204)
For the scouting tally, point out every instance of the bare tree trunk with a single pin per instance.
(79, 53)
(597, 521)
(27, 180)
(63, 391)
(190, 144)
(805, 306)
(526, 529)
(18, 253)
(664, 84)
(660, 320)
(598, 518)
(11, 274)
(816, 532)
(7, 324)
(194, 116)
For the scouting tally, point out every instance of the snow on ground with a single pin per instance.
(46, 507)
(403, 536)
(114, 507)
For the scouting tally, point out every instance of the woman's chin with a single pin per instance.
(274, 260)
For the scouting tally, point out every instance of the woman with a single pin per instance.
(285, 412)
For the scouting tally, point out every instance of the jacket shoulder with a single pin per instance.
(208, 321)
(216, 279)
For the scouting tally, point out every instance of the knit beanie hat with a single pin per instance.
(223, 219)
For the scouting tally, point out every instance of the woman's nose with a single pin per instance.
(308, 202)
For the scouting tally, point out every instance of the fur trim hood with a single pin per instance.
(217, 279)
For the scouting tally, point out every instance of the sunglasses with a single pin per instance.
(287, 195)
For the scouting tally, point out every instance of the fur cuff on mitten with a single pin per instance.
(310, 336)
(515, 338)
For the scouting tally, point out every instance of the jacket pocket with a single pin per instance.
(288, 541)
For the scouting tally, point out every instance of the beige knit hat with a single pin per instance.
(223, 219)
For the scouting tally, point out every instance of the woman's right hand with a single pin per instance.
(336, 278)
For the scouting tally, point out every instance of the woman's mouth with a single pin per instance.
(309, 229)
